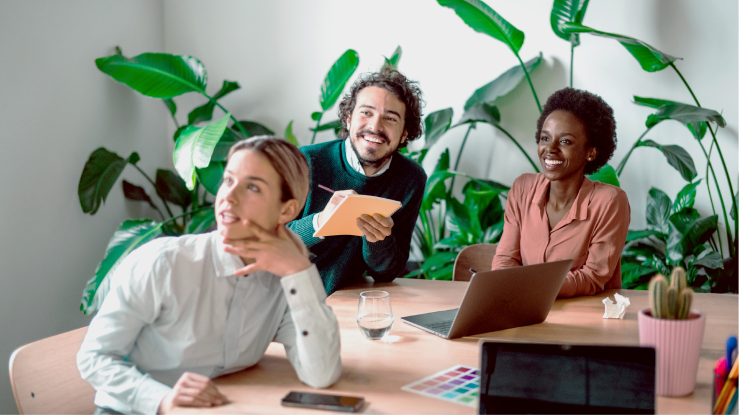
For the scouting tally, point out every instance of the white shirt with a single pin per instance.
(354, 163)
(175, 306)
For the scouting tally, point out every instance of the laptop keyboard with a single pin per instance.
(442, 327)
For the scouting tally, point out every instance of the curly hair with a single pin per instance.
(596, 117)
(407, 91)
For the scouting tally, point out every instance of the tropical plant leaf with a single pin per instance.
(481, 18)
(685, 198)
(435, 188)
(444, 273)
(650, 59)
(634, 235)
(205, 111)
(394, 59)
(453, 241)
(171, 188)
(658, 211)
(211, 176)
(201, 221)
(290, 136)
(333, 125)
(685, 114)
(100, 173)
(484, 203)
(438, 259)
(676, 157)
(688, 232)
(698, 129)
(635, 274)
(227, 140)
(252, 128)
(641, 251)
(466, 221)
(568, 11)
(711, 259)
(337, 77)
(194, 148)
(133, 192)
(436, 124)
(316, 115)
(606, 174)
(481, 113)
(502, 85)
(734, 205)
(178, 132)
(157, 75)
(129, 236)
(171, 106)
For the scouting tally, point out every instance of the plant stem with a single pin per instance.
(459, 157)
(732, 248)
(236, 123)
(708, 182)
(572, 61)
(191, 212)
(318, 124)
(517, 145)
(622, 164)
(533, 91)
(729, 238)
(166, 206)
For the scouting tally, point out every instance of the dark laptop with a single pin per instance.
(541, 378)
(498, 300)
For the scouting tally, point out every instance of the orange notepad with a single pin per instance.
(343, 220)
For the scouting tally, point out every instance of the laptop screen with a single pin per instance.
(555, 378)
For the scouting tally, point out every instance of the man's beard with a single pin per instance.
(367, 162)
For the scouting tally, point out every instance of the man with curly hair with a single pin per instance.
(560, 213)
(380, 114)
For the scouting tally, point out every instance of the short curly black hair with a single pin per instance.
(596, 117)
(407, 91)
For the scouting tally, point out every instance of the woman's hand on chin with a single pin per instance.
(281, 254)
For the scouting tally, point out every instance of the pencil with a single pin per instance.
(728, 390)
(326, 188)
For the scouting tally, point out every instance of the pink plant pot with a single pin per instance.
(678, 346)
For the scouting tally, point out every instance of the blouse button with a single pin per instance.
(305, 332)
(293, 292)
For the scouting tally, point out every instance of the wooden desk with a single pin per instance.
(376, 370)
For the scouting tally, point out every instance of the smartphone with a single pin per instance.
(323, 401)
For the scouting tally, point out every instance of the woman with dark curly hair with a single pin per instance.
(560, 213)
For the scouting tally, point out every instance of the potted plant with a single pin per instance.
(675, 331)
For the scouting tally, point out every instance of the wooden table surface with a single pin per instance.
(377, 370)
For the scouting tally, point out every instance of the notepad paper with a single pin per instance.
(343, 220)
(459, 384)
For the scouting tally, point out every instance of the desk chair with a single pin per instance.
(478, 257)
(45, 378)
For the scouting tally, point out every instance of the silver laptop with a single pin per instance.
(498, 300)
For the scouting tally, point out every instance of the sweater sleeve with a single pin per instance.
(303, 227)
(386, 259)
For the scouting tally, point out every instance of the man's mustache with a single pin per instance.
(375, 133)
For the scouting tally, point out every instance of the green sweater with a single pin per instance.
(342, 260)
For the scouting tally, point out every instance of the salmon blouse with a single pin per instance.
(592, 234)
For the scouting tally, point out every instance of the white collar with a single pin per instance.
(226, 264)
(351, 157)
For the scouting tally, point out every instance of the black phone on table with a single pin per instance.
(323, 401)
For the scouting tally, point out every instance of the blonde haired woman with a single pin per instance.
(183, 310)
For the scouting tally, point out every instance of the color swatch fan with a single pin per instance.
(459, 384)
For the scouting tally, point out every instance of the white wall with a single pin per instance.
(280, 51)
(56, 108)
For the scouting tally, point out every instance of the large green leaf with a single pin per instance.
(290, 136)
(658, 211)
(227, 140)
(438, 260)
(171, 106)
(568, 11)
(333, 125)
(481, 18)
(734, 206)
(481, 113)
(698, 129)
(676, 156)
(337, 77)
(634, 274)
(709, 259)
(171, 188)
(685, 198)
(688, 232)
(465, 221)
(650, 59)
(129, 236)
(137, 193)
(201, 221)
(211, 176)
(157, 75)
(194, 148)
(205, 111)
(483, 203)
(393, 61)
(252, 129)
(634, 235)
(100, 173)
(685, 114)
(436, 124)
(435, 188)
(502, 85)
(606, 174)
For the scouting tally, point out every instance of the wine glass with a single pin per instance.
(374, 315)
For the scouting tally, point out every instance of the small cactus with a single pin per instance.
(673, 301)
